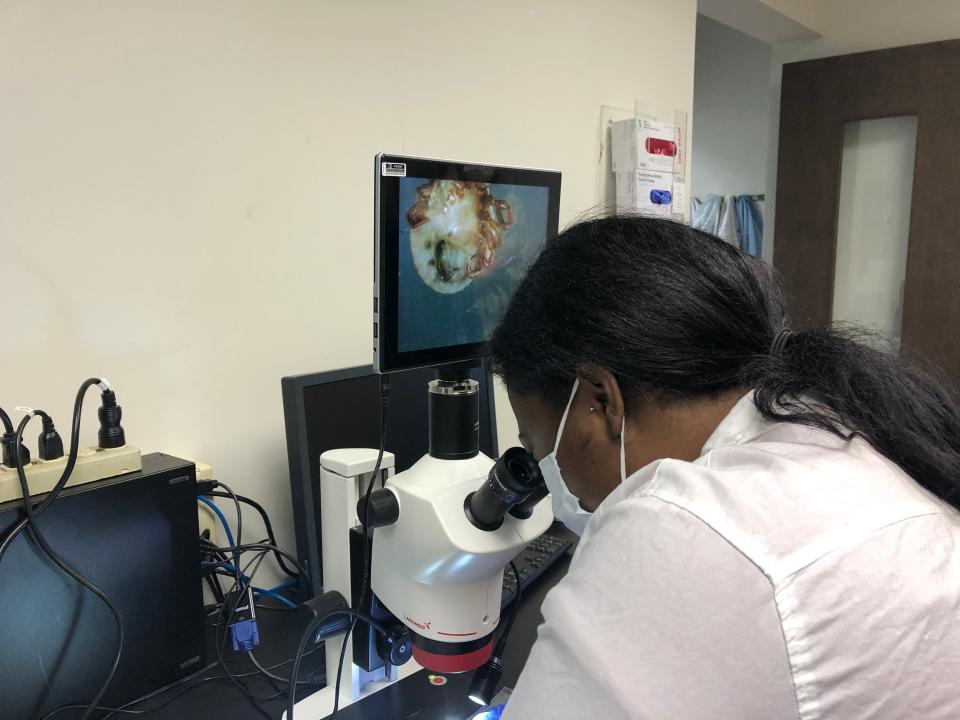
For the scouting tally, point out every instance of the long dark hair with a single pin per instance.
(675, 312)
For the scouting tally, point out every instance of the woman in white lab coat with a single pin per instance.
(767, 516)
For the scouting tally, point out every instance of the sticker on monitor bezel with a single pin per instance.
(393, 169)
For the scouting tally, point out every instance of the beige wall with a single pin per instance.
(186, 187)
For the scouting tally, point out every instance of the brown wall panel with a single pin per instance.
(818, 97)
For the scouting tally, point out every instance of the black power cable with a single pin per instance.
(367, 550)
(365, 581)
(38, 537)
(7, 423)
(264, 546)
(308, 636)
(514, 610)
(124, 709)
(68, 469)
(239, 541)
(6, 440)
(271, 676)
(266, 523)
(215, 589)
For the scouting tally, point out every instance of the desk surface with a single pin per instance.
(413, 697)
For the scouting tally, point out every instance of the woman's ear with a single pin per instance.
(601, 389)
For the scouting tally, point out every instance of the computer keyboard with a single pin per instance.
(534, 560)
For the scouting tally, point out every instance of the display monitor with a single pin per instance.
(453, 241)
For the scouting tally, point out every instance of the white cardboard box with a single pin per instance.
(645, 191)
(642, 144)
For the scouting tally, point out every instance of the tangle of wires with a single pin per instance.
(264, 517)
(221, 563)
(230, 572)
(226, 565)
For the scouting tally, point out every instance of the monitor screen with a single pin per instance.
(453, 242)
(464, 247)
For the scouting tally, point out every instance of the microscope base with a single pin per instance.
(320, 704)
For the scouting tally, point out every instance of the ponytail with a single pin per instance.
(837, 379)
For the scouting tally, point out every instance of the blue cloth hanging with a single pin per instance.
(715, 215)
(749, 224)
(705, 213)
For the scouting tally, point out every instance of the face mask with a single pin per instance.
(566, 505)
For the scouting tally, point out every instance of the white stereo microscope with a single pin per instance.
(445, 530)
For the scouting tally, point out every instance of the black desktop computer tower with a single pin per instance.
(136, 537)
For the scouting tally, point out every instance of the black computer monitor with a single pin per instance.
(339, 409)
(453, 241)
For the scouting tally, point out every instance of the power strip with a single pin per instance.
(92, 464)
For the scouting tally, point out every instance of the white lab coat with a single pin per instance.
(784, 574)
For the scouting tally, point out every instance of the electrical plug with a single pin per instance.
(206, 486)
(10, 451)
(50, 445)
(111, 433)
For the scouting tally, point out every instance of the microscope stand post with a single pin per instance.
(344, 475)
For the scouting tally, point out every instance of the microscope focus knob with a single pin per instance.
(397, 647)
(384, 509)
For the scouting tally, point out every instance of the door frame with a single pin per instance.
(818, 98)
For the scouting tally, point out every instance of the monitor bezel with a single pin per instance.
(387, 356)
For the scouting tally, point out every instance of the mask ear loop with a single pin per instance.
(566, 412)
(623, 450)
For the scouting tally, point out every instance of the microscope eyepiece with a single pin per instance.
(514, 476)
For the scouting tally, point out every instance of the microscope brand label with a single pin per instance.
(421, 625)
(394, 169)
